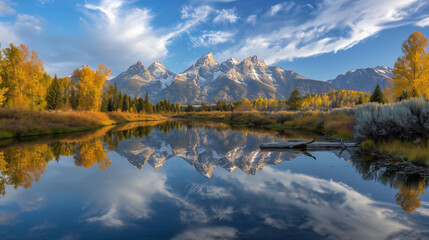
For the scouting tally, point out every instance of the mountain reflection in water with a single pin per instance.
(205, 147)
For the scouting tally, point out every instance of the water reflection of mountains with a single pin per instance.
(205, 146)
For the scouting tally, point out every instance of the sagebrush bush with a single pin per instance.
(406, 120)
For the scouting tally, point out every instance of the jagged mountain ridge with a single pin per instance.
(209, 81)
(364, 79)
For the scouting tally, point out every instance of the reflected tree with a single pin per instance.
(61, 149)
(90, 152)
(408, 196)
(2, 179)
(22, 165)
(407, 178)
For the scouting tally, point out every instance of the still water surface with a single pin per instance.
(188, 180)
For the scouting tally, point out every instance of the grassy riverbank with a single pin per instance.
(415, 152)
(20, 123)
(332, 123)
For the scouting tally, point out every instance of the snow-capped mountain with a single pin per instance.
(364, 79)
(209, 81)
(138, 79)
(161, 73)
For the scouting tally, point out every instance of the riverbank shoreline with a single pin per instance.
(335, 124)
(22, 123)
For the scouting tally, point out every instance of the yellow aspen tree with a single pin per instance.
(90, 86)
(24, 76)
(2, 93)
(411, 71)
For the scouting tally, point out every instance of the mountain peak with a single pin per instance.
(364, 79)
(156, 65)
(253, 59)
(206, 59)
(208, 55)
(137, 67)
(233, 61)
(387, 71)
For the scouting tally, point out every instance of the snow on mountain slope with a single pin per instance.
(364, 79)
(208, 81)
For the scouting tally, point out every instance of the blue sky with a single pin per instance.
(318, 39)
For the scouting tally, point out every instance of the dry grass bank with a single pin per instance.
(19, 123)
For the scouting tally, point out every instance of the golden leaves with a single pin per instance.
(411, 72)
(90, 86)
(408, 197)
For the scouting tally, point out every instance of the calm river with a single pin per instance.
(189, 180)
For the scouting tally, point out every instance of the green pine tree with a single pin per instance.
(147, 105)
(104, 107)
(146, 98)
(73, 98)
(140, 105)
(178, 107)
(126, 103)
(294, 101)
(54, 98)
(189, 108)
(120, 101)
(377, 95)
(110, 106)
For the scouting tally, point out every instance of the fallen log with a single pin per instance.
(309, 145)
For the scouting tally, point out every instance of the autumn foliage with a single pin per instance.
(411, 73)
(23, 81)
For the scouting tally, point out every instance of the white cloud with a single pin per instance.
(132, 201)
(8, 35)
(226, 15)
(222, 232)
(5, 7)
(192, 17)
(285, 7)
(309, 5)
(46, 1)
(333, 26)
(209, 191)
(324, 203)
(28, 23)
(18, 27)
(210, 38)
(275, 9)
(251, 19)
(223, 213)
(125, 32)
(120, 32)
(423, 23)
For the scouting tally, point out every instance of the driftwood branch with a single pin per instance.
(309, 145)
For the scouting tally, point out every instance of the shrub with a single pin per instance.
(406, 120)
